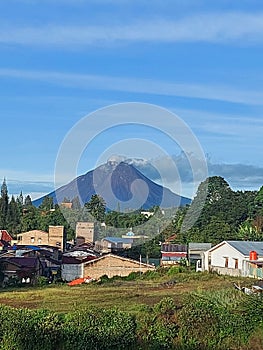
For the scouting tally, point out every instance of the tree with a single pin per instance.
(30, 219)
(97, 207)
(3, 205)
(20, 200)
(76, 203)
(13, 216)
(47, 203)
(28, 201)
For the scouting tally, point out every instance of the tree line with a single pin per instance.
(226, 214)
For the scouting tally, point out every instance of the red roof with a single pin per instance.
(5, 236)
(171, 254)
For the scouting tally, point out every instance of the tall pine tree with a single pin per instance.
(3, 205)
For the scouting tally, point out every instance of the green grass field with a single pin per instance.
(120, 293)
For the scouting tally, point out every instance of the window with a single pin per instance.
(236, 263)
(226, 261)
(39, 241)
(32, 239)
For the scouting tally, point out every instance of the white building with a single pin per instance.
(236, 258)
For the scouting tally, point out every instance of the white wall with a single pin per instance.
(218, 256)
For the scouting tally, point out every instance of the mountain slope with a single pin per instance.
(120, 184)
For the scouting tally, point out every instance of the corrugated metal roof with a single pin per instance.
(119, 240)
(169, 247)
(244, 247)
(199, 246)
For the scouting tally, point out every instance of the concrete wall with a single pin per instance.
(113, 266)
(34, 237)
(226, 271)
(85, 230)
(70, 272)
(219, 255)
(56, 236)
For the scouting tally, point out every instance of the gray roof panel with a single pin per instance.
(245, 247)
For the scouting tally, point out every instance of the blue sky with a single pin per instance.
(61, 60)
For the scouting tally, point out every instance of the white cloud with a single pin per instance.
(214, 27)
(145, 86)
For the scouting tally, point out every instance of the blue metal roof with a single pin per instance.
(119, 240)
(244, 247)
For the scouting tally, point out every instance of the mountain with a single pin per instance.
(121, 185)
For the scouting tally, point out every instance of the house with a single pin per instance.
(5, 239)
(47, 255)
(109, 264)
(72, 263)
(196, 254)
(85, 232)
(54, 237)
(66, 205)
(236, 258)
(113, 244)
(172, 254)
(24, 269)
(114, 265)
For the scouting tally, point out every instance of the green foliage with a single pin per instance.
(218, 320)
(215, 213)
(96, 207)
(125, 220)
(157, 327)
(41, 281)
(23, 329)
(98, 329)
(47, 203)
(3, 205)
(132, 276)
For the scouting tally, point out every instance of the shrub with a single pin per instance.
(23, 329)
(41, 281)
(98, 329)
(215, 320)
(157, 328)
(132, 276)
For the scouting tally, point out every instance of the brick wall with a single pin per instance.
(113, 266)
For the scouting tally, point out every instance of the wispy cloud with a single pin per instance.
(239, 176)
(145, 86)
(215, 27)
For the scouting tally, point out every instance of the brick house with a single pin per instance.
(85, 232)
(113, 265)
(109, 264)
(54, 237)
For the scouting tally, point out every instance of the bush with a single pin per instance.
(23, 329)
(98, 329)
(132, 276)
(215, 320)
(41, 281)
(157, 327)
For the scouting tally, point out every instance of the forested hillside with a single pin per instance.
(215, 214)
